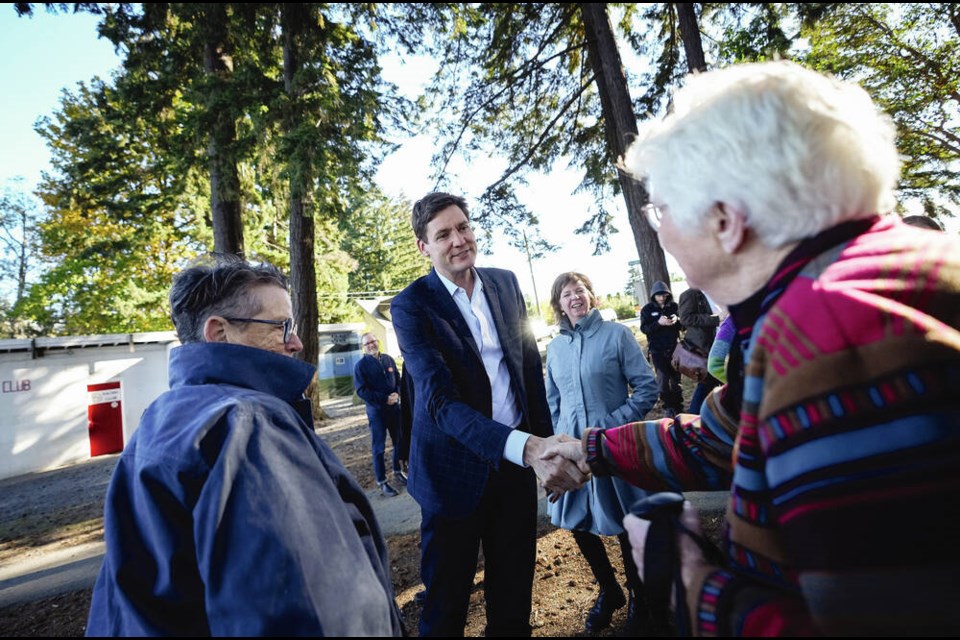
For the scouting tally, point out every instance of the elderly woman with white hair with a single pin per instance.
(838, 431)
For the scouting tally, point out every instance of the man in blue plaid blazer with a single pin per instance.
(480, 425)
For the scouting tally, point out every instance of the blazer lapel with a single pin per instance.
(447, 308)
(511, 351)
(493, 301)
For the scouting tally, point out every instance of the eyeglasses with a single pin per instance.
(369, 343)
(288, 327)
(654, 215)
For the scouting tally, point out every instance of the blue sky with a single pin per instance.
(39, 57)
(42, 55)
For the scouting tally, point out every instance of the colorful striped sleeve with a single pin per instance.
(687, 453)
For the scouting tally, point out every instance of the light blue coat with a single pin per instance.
(589, 370)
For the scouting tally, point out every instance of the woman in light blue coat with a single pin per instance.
(592, 366)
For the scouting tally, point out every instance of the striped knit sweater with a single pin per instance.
(844, 456)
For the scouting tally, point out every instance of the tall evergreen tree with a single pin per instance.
(221, 105)
(118, 223)
(330, 107)
(133, 155)
(295, 20)
(907, 56)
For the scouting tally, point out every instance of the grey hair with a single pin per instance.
(795, 151)
(217, 285)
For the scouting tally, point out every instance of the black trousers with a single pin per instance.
(504, 525)
(668, 379)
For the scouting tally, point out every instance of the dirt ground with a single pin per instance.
(63, 507)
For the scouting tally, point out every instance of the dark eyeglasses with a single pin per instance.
(288, 328)
(369, 343)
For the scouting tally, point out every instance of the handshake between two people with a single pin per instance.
(559, 462)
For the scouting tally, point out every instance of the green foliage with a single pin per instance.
(128, 200)
(545, 310)
(329, 115)
(519, 81)
(379, 238)
(664, 53)
(753, 31)
(129, 197)
(907, 56)
(117, 226)
(904, 55)
(622, 304)
(514, 82)
(334, 266)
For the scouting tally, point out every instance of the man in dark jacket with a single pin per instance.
(700, 323)
(377, 382)
(481, 423)
(660, 321)
(226, 514)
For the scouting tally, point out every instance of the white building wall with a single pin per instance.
(43, 400)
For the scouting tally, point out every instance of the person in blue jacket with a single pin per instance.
(377, 381)
(597, 377)
(226, 515)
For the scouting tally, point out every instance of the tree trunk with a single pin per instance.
(303, 273)
(620, 125)
(224, 177)
(24, 257)
(690, 34)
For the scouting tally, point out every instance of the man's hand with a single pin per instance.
(569, 448)
(393, 398)
(556, 473)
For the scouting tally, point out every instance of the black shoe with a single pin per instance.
(400, 477)
(387, 490)
(669, 413)
(600, 615)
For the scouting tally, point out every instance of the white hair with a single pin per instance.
(797, 152)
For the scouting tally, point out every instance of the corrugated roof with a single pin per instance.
(81, 342)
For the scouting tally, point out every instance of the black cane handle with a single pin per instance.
(657, 505)
(661, 558)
